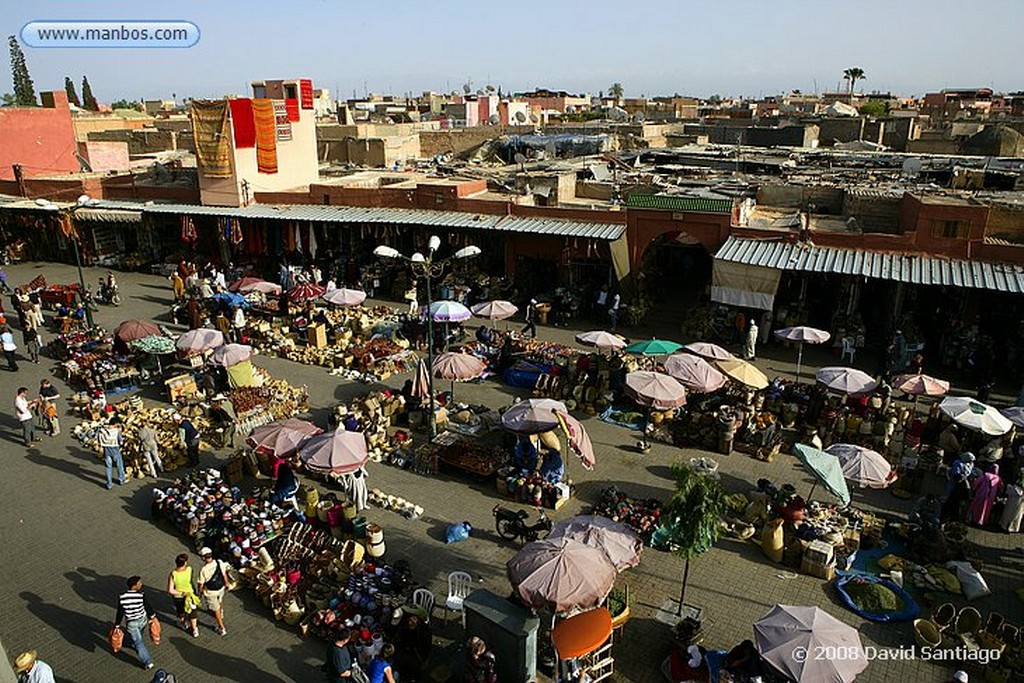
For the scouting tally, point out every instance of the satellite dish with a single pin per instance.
(533, 118)
(618, 114)
(912, 167)
(520, 117)
(83, 163)
(639, 118)
(494, 119)
(489, 88)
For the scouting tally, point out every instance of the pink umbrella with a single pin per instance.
(254, 284)
(862, 466)
(620, 544)
(579, 440)
(846, 380)
(708, 350)
(231, 354)
(655, 389)
(601, 340)
(802, 335)
(694, 373)
(345, 297)
(920, 385)
(282, 437)
(339, 452)
(561, 574)
(306, 291)
(458, 366)
(198, 341)
(533, 416)
(495, 310)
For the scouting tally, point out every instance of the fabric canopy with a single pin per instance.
(200, 340)
(655, 390)
(130, 330)
(826, 468)
(282, 436)
(846, 380)
(495, 310)
(620, 544)
(708, 350)
(920, 385)
(448, 311)
(458, 366)
(339, 452)
(231, 354)
(345, 297)
(254, 284)
(579, 440)
(862, 466)
(532, 416)
(737, 284)
(786, 632)
(743, 372)
(803, 334)
(601, 340)
(561, 574)
(306, 292)
(975, 415)
(694, 373)
(653, 347)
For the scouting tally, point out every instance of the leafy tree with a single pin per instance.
(715, 99)
(127, 104)
(616, 91)
(875, 108)
(8, 100)
(24, 89)
(88, 100)
(69, 88)
(692, 518)
(853, 74)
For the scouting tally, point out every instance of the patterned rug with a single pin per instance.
(210, 128)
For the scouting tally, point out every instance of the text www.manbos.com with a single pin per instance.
(110, 34)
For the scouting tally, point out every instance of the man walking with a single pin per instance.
(110, 440)
(31, 669)
(23, 411)
(30, 337)
(189, 437)
(613, 311)
(9, 347)
(135, 612)
(531, 319)
(339, 658)
(150, 449)
(213, 583)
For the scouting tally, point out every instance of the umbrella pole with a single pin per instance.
(799, 360)
(811, 494)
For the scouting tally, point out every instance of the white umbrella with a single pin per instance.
(601, 340)
(788, 638)
(448, 311)
(802, 334)
(345, 297)
(975, 415)
(495, 310)
(846, 380)
(862, 466)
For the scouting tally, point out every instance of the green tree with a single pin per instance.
(616, 92)
(875, 108)
(24, 89)
(853, 74)
(127, 104)
(69, 88)
(88, 99)
(8, 100)
(692, 518)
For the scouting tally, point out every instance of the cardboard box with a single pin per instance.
(821, 571)
(316, 335)
(851, 539)
(819, 552)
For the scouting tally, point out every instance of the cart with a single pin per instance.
(583, 646)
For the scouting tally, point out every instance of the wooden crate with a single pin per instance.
(316, 335)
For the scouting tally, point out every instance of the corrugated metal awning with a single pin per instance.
(918, 269)
(108, 215)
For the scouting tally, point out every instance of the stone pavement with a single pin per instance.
(69, 543)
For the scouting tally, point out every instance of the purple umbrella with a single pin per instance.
(448, 312)
(620, 544)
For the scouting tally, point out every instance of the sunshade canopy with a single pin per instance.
(345, 297)
(601, 340)
(579, 440)
(282, 436)
(448, 311)
(694, 373)
(743, 372)
(156, 344)
(306, 291)
(561, 574)
(863, 466)
(458, 366)
(1014, 415)
(846, 380)
(708, 350)
(254, 284)
(495, 310)
(231, 354)
(975, 415)
(653, 347)
(655, 390)
(339, 452)
(199, 340)
(920, 385)
(533, 416)
(786, 632)
(620, 544)
(826, 468)
(130, 330)
(803, 334)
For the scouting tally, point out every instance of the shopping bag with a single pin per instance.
(115, 638)
(154, 630)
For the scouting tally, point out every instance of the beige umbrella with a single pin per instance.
(743, 372)
(619, 543)
(788, 638)
(561, 574)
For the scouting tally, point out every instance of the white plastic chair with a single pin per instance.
(849, 348)
(424, 600)
(459, 585)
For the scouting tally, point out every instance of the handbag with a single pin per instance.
(115, 638)
(154, 630)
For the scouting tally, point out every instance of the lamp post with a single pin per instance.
(82, 202)
(427, 267)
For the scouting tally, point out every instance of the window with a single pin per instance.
(951, 229)
(290, 92)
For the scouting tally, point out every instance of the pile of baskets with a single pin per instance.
(950, 628)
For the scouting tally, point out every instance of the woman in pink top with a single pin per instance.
(986, 488)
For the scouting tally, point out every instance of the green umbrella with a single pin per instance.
(653, 347)
(826, 468)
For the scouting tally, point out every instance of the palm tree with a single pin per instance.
(853, 74)
(692, 518)
(616, 91)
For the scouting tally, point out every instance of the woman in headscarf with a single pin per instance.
(986, 488)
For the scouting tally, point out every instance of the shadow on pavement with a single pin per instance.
(80, 630)
(85, 474)
(221, 666)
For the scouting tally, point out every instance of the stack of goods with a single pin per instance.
(56, 296)
(154, 345)
(351, 595)
(643, 516)
(133, 415)
(397, 504)
(533, 489)
(38, 283)
(373, 414)
(467, 455)
(100, 369)
(274, 399)
(213, 514)
(760, 436)
(67, 346)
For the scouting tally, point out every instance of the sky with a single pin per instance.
(654, 47)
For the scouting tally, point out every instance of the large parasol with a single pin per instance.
(620, 544)
(694, 373)
(863, 466)
(448, 312)
(846, 380)
(495, 310)
(199, 341)
(802, 335)
(786, 633)
(130, 330)
(579, 440)
(307, 291)
(1014, 415)
(826, 468)
(345, 297)
(561, 574)
(605, 341)
(920, 385)
(655, 390)
(975, 415)
(339, 452)
(458, 366)
(708, 350)
(231, 354)
(254, 284)
(533, 416)
(282, 436)
(653, 347)
(744, 372)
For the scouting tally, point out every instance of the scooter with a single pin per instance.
(511, 524)
(108, 295)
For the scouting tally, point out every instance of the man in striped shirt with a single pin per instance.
(135, 612)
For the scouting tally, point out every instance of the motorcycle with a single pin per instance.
(108, 295)
(511, 524)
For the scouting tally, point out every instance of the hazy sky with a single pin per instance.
(697, 47)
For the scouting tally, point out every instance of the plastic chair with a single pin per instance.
(424, 600)
(849, 349)
(459, 585)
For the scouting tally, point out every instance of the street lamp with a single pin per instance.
(82, 202)
(427, 267)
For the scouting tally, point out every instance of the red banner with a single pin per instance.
(306, 93)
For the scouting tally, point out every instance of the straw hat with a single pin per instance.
(25, 661)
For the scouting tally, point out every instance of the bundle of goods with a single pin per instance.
(546, 352)
(66, 346)
(157, 346)
(56, 296)
(99, 369)
(362, 598)
(274, 399)
(215, 515)
(395, 503)
(372, 414)
(471, 456)
(533, 489)
(37, 283)
(643, 516)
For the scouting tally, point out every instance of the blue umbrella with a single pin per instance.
(231, 299)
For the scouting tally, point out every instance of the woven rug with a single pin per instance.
(282, 124)
(242, 123)
(266, 135)
(210, 128)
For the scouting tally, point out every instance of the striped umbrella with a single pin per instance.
(306, 292)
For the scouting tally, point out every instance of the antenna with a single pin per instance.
(534, 119)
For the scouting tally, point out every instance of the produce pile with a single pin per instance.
(643, 516)
(873, 597)
(65, 346)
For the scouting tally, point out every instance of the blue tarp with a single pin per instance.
(525, 375)
(910, 607)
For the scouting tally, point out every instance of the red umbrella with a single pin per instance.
(306, 291)
(579, 440)
(339, 452)
(282, 437)
(130, 330)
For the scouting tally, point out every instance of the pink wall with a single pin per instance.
(105, 156)
(41, 139)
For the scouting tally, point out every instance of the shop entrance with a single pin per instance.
(675, 275)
